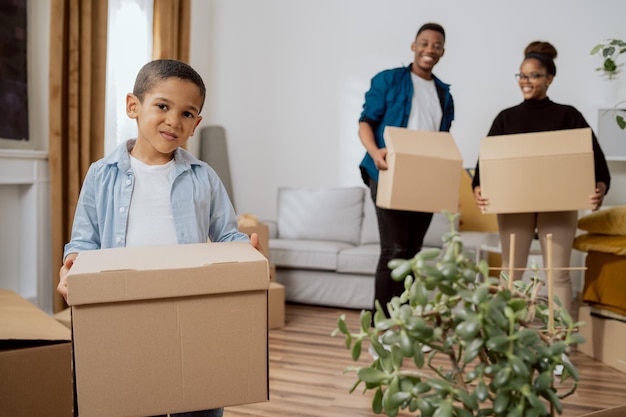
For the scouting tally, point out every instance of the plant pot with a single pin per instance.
(609, 92)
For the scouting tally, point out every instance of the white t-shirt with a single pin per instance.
(150, 219)
(425, 107)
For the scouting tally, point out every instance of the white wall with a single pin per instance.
(287, 78)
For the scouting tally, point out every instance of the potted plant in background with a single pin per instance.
(501, 344)
(609, 51)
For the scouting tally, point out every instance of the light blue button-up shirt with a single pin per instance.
(200, 205)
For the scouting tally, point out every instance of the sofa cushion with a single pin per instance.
(306, 254)
(608, 221)
(591, 242)
(327, 289)
(359, 259)
(433, 238)
(439, 225)
(321, 213)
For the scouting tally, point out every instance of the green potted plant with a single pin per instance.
(502, 343)
(619, 118)
(609, 51)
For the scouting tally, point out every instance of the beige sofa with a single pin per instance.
(325, 245)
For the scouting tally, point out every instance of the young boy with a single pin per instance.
(150, 191)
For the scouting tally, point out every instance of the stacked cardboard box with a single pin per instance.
(249, 224)
(276, 306)
(604, 338)
(65, 317)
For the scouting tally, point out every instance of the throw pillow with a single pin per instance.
(609, 221)
(369, 229)
(333, 214)
(433, 238)
(601, 243)
(439, 225)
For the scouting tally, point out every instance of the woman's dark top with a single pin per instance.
(545, 115)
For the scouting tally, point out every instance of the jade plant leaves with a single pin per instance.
(500, 352)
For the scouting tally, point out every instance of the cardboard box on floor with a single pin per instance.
(537, 172)
(64, 317)
(168, 329)
(471, 218)
(424, 171)
(276, 306)
(262, 231)
(605, 338)
(35, 361)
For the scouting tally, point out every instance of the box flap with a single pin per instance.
(125, 274)
(538, 144)
(22, 321)
(420, 142)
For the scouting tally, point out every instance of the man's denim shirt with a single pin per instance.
(200, 204)
(388, 103)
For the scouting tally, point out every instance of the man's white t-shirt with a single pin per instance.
(150, 219)
(425, 107)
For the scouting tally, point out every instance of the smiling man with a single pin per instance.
(414, 98)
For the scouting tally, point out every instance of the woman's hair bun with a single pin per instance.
(540, 47)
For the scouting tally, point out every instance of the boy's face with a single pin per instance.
(167, 117)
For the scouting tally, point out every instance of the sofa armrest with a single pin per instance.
(272, 226)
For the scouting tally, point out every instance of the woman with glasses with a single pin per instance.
(537, 113)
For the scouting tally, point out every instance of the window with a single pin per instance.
(13, 71)
(129, 48)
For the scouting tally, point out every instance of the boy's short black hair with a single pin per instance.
(162, 69)
(432, 26)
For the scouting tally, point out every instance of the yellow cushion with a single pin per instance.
(604, 287)
(609, 221)
(601, 243)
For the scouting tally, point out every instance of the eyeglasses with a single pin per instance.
(533, 76)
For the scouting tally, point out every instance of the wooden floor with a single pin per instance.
(307, 378)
